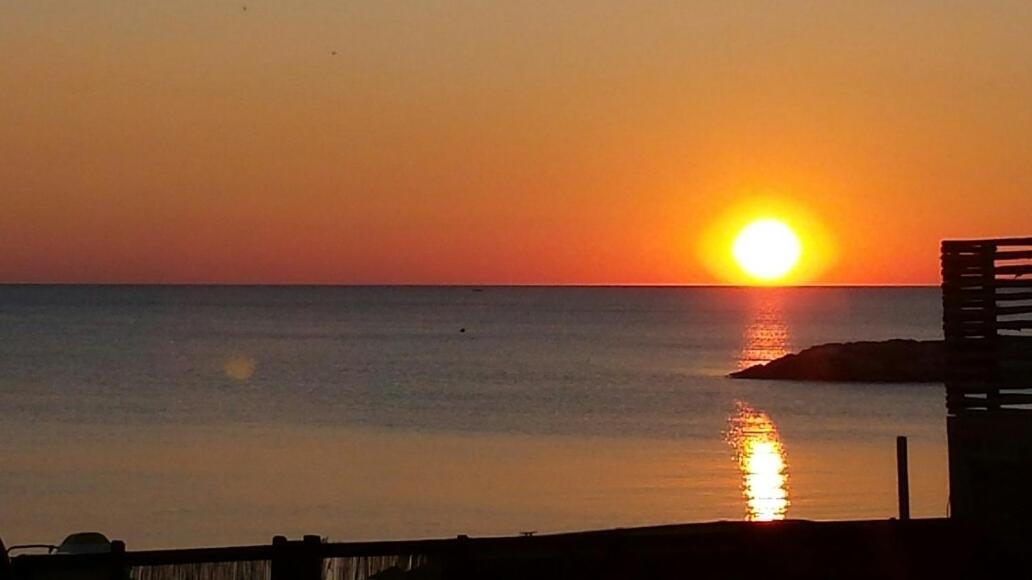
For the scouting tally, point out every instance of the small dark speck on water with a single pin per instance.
(462, 330)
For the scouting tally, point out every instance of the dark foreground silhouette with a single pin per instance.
(936, 548)
(889, 361)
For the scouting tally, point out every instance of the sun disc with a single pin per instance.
(767, 249)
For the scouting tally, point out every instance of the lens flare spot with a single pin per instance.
(239, 368)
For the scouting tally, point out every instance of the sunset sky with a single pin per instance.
(577, 142)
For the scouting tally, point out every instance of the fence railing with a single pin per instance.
(675, 551)
(307, 559)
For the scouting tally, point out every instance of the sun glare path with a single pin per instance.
(767, 249)
(761, 459)
(767, 335)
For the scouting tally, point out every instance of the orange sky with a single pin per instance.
(502, 142)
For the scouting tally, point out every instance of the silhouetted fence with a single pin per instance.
(791, 549)
(987, 322)
(307, 559)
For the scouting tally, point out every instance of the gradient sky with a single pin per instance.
(585, 141)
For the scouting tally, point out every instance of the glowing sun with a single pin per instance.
(767, 249)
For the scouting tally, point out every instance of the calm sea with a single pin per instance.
(180, 416)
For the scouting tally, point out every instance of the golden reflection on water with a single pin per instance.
(766, 337)
(762, 461)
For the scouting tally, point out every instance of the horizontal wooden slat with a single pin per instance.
(952, 334)
(967, 270)
(985, 277)
(986, 403)
(971, 412)
(1014, 255)
(951, 285)
(980, 315)
(1013, 296)
(1014, 324)
(959, 244)
(975, 259)
(984, 386)
(983, 298)
(988, 313)
(1015, 270)
(960, 292)
(983, 258)
(954, 246)
(970, 318)
(967, 318)
(969, 313)
(1012, 310)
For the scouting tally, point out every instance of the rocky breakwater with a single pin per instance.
(888, 361)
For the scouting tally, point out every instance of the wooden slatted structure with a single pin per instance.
(987, 322)
(987, 319)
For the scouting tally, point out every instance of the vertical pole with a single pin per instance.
(118, 569)
(902, 478)
(311, 561)
(456, 565)
(280, 566)
(294, 560)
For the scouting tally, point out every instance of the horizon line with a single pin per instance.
(456, 285)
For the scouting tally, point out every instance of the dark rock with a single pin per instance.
(889, 361)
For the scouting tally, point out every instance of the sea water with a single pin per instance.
(182, 416)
